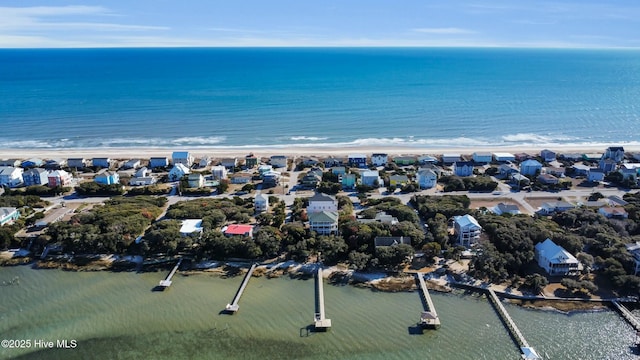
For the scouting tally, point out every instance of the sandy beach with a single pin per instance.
(141, 152)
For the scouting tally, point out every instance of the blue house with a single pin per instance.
(358, 160)
(36, 176)
(101, 162)
(107, 178)
(157, 162)
(31, 163)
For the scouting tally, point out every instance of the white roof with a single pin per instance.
(503, 154)
(358, 156)
(466, 220)
(451, 155)
(190, 226)
(554, 253)
(370, 173)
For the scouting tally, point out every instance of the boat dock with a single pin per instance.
(627, 315)
(429, 317)
(234, 307)
(527, 351)
(320, 321)
(167, 281)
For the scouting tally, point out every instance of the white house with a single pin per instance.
(219, 172)
(261, 202)
(530, 167)
(182, 157)
(379, 159)
(555, 260)
(466, 229)
(132, 164)
(482, 157)
(191, 226)
(371, 178)
(450, 158)
(548, 155)
(278, 161)
(463, 168)
(322, 202)
(427, 178)
(143, 181)
(8, 215)
(59, 178)
(195, 180)
(10, 176)
(324, 222)
(503, 208)
(178, 171)
(613, 212)
(503, 156)
(551, 207)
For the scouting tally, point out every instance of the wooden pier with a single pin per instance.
(429, 317)
(527, 351)
(167, 281)
(234, 307)
(320, 321)
(627, 315)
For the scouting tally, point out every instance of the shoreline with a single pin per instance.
(376, 281)
(321, 151)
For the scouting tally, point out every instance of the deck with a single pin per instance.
(429, 317)
(234, 307)
(167, 281)
(320, 320)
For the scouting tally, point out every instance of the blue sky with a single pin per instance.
(504, 23)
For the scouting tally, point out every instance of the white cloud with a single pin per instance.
(444, 31)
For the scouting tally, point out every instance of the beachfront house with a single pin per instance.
(482, 157)
(466, 229)
(278, 161)
(229, 163)
(548, 155)
(427, 178)
(250, 161)
(324, 222)
(332, 161)
(555, 260)
(322, 202)
(463, 168)
(503, 157)
(530, 167)
(107, 178)
(261, 203)
(195, 180)
(427, 159)
(348, 181)
(54, 164)
(503, 208)
(30, 163)
(35, 176)
(178, 171)
(132, 164)
(379, 159)
(204, 162)
(158, 162)
(59, 178)
(551, 207)
(182, 157)
(219, 172)
(10, 162)
(357, 160)
(371, 178)
(404, 160)
(101, 162)
(10, 176)
(595, 175)
(308, 161)
(76, 163)
(615, 153)
(238, 230)
(8, 215)
(191, 226)
(450, 158)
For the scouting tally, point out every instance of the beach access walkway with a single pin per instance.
(320, 320)
(429, 317)
(167, 281)
(234, 307)
(527, 351)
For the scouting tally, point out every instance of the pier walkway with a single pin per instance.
(627, 315)
(234, 307)
(320, 321)
(527, 351)
(167, 281)
(429, 317)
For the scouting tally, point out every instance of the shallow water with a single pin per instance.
(118, 316)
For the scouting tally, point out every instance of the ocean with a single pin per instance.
(118, 316)
(334, 97)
